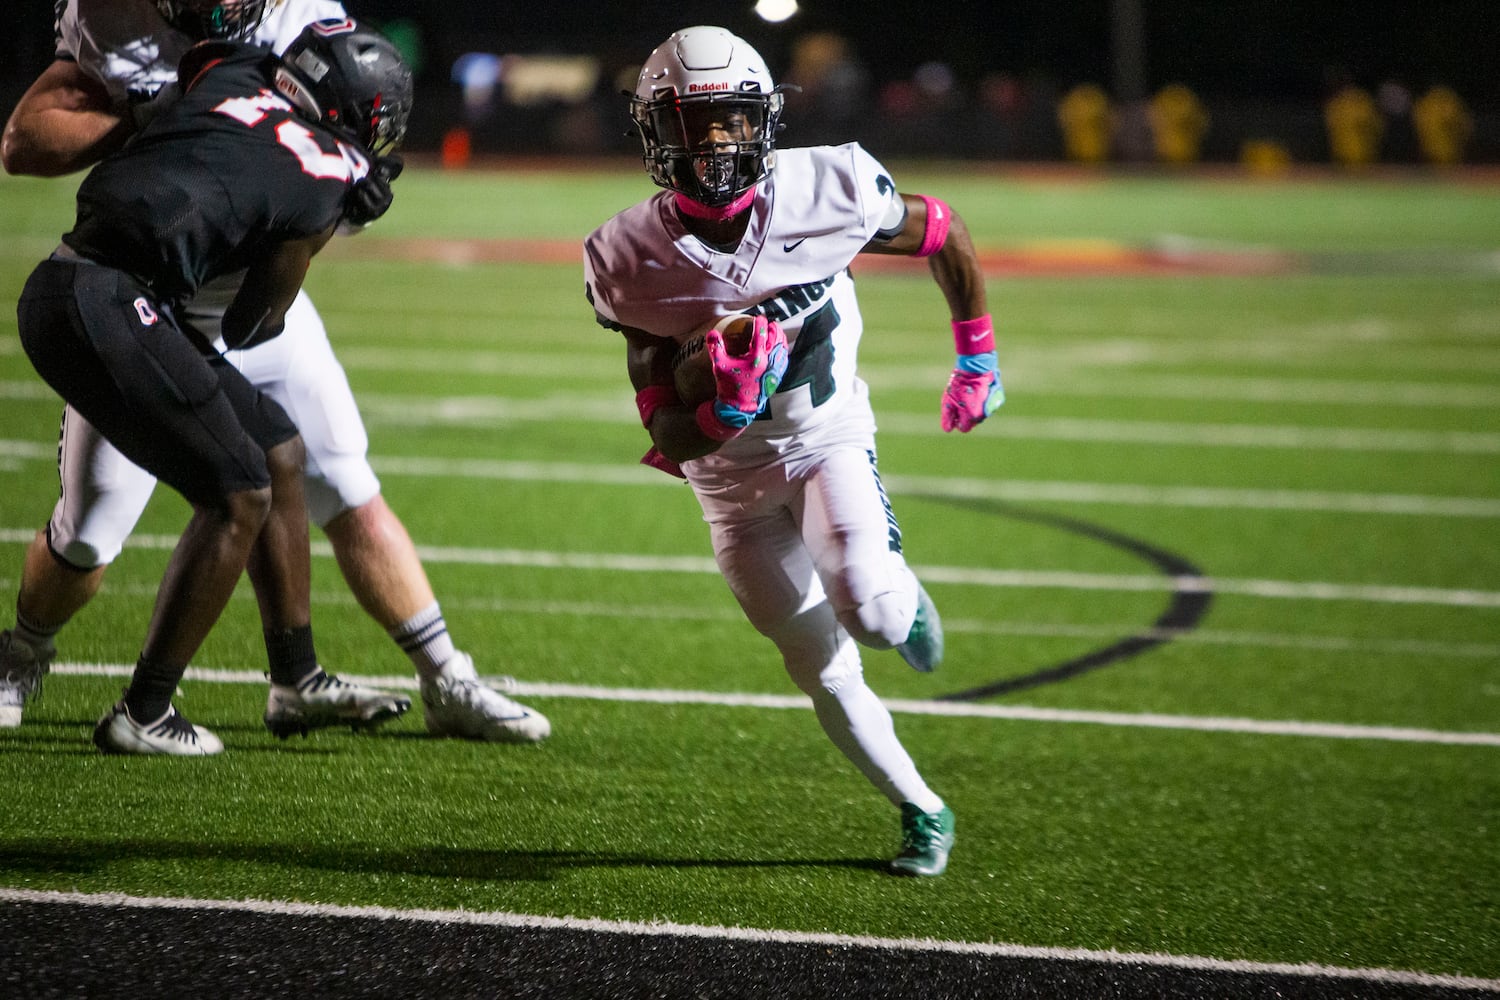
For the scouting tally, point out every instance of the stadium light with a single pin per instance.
(775, 11)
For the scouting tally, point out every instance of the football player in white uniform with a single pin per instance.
(115, 66)
(782, 460)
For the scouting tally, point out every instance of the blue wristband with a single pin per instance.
(978, 364)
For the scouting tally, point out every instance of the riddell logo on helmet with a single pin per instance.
(699, 88)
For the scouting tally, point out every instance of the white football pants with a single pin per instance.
(808, 551)
(104, 494)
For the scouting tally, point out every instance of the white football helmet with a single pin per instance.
(707, 112)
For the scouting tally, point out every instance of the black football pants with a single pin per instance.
(99, 338)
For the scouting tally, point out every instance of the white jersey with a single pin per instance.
(128, 46)
(815, 211)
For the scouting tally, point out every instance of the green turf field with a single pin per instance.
(1292, 474)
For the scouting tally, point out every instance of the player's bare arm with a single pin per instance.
(955, 266)
(673, 427)
(64, 122)
(258, 312)
(933, 230)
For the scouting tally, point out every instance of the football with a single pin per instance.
(691, 370)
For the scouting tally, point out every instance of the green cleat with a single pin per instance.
(923, 648)
(926, 839)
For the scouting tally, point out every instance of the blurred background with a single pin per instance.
(1264, 84)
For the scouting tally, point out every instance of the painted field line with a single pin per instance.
(947, 709)
(955, 487)
(974, 577)
(1035, 369)
(1256, 389)
(1429, 649)
(958, 575)
(1010, 490)
(489, 409)
(666, 929)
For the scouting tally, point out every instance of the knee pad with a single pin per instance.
(819, 656)
(80, 553)
(335, 486)
(299, 371)
(882, 621)
(103, 496)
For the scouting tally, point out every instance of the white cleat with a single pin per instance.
(21, 670)
(456, 703)
(172, 734)
(323, 700)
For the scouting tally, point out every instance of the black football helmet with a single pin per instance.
(223, 20)
(707, 113)
(351, 78)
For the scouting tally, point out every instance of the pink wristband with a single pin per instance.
(653, 398)
(939, 215)
(974, 336)
(656, 460)
(711, 426)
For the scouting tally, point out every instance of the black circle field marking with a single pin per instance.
(1184, 611)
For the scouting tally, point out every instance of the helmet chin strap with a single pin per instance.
(698, 210)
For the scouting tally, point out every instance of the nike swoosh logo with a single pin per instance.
(789, 247)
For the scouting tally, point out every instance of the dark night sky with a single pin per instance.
(1229, 48)
(1224, 48)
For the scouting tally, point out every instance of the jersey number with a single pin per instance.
(811, 363)
(251, 111)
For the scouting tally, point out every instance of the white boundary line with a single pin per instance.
(624, 562)
(948, 709)
(668, 929)
(1015, 490)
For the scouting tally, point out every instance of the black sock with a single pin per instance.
(290, 651)
(151, 688)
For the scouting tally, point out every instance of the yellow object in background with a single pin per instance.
(1178, 123)
(1355, 127)
(1087, 123)
(1265, 158)
(1443, 126)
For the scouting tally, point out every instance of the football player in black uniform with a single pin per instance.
(252, 170)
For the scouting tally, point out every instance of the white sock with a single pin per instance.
(860, 725)
(424, 638)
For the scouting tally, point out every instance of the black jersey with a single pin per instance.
(217, 180)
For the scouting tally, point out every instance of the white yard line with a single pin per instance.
(488, 409)
(666, 929)
(956, 487)
(1363, 646)
(622, 562)
(947, 709)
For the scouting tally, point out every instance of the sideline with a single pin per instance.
(1190, 963)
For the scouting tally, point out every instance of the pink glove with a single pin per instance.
(974, 390)
(972, 395)
(745, 381)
